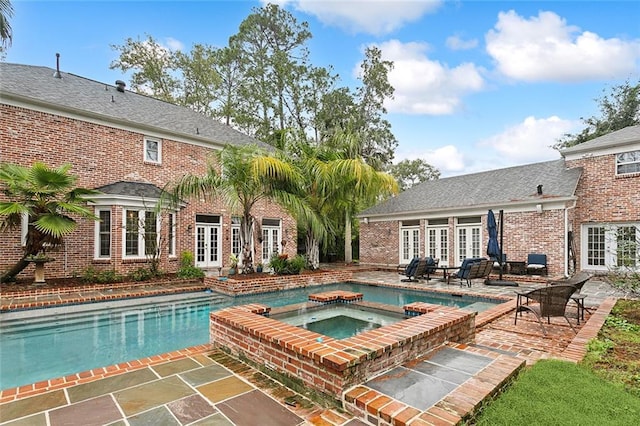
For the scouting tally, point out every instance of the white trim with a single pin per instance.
(141, 228)
(96, 235)
(145, 157)
(601, 152)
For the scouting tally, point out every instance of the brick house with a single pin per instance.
(128, 146)
(583, 208)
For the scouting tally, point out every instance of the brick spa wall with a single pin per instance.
(328, 365)
(275, 282)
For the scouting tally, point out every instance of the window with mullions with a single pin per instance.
(152, 151)
(141, 233)
(628, 163)
(628, 239)
(596, 245)
(235, 236)
(103, 243)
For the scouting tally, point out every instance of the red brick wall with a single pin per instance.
(102, 155)
(524, 233)
(604, 197)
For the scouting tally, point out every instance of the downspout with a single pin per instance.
(566, 237)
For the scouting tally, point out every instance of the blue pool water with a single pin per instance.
(47, 343)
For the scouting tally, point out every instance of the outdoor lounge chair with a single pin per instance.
(550, 301)
(537, 264)
(472, 268)
(417, 268)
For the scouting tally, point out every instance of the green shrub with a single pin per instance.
(187, 269)
(281, 264)
(93, 275)
(141, 274)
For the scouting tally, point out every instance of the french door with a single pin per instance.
(270, 242)
(468, 242)
(409, 244)
(208, 244)
(438, 244)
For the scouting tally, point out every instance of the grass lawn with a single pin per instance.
(604, 389)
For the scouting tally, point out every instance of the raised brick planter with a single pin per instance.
(275, 282)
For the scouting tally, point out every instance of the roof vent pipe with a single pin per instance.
(120, 85)
(539, 189)
(57, 73)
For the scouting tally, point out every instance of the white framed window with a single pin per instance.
(24, 228)
(171, 234)
(140, 233)
(611, 246)
(628, 163)
(152, 151)
(103, 235)
(437, 242)
(235, 236)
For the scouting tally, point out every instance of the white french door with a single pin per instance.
(208, 246)
(409, 244)
(270, 242)
(468, 238)
(438, 244)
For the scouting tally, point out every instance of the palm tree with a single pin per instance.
(358, 185)
(48, 198)
(247, 175)
(6, 12)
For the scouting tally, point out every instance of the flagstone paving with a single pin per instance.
(200, 386)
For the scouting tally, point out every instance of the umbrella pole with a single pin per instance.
(501, 235)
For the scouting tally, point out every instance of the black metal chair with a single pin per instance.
(550, 301)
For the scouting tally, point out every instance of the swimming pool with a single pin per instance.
(47, 343)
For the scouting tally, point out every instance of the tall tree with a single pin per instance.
(48, 198)
(619, 108)
(154, 68)
(241, 177)
(272, 45)
(358, 185)
(411, 172)
(201, 81)
(378, 142)
(6, 33)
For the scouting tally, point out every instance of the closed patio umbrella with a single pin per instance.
(494, 248)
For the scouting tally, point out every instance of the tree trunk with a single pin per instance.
(246, 239)
(10, 275)
(348, 253)
(313, 251)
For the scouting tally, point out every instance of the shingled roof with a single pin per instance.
(626, 136)
(132, 189)
(492, 188)
(82, 96)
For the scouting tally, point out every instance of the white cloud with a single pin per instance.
(425, 86)
(173, 44)
(367, 16)
(447, 159)
(456, 42)
(529, 141)
(545, 47)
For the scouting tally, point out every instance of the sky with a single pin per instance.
(478, 84)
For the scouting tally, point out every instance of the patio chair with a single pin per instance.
(417, 268)
(578, 281)
(537, 264)
(551, 301)
(464, 273)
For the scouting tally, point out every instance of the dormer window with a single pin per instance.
(628, 163)
(152, 151)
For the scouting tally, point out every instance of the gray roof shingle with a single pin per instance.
(132, 189)
(491, 188)
(88, 97)
(620, 137)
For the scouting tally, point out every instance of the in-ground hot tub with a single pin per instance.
(331, 365)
